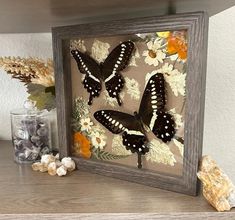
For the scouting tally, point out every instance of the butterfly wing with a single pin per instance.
(152, 109)
(127, 125)
(117, 61)
(88, 66)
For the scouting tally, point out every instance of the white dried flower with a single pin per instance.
(47, 158)
(52, 168)
(174, 78)
(135, 56)
(61, 171)
(132, 88)
(78, 45)
(112, 101)
(98, 140)
(117, 146)
(160, 153)
(68, 163)
(180, 146)
(154, 55)
(100, 50)
(177, 117)
(86, 124)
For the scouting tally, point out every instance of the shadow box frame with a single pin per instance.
(196, 25)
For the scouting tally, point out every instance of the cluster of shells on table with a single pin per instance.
(54, 166)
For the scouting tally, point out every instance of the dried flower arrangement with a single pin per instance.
(38, 77)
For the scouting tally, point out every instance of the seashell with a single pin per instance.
(218, 189)
(45, 150)
(52, 168)
(21, 134)
(43, 131)
(61, 171)
(47, 158)
(68, 163)
(35, 138)
(39, 167)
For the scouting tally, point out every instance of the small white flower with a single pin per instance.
(112, 101)
(86, 124)
(174, 78)
(177, 117)
(117, 146)
(135, 56)
(98, 140)
(78, 45)
(160, 153)
(180, 147)
(100, 50)
(154, 55)
(132, 87)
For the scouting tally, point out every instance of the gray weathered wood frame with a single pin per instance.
(197, 26)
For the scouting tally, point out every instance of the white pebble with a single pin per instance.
(61, 171)
(68, 163)
(46, 159)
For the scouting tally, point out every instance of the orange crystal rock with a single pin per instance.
(218, 189)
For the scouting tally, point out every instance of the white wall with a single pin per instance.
(12, 92)
(219, 130)
(219, 133)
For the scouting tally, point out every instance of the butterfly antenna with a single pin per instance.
(119, 101)
(139, 161)
(90, 100)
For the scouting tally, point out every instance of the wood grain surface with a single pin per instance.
(196, 25)
(23, 16)
(26, 194)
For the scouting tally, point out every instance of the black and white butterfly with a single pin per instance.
(152, 115)
(108, 71)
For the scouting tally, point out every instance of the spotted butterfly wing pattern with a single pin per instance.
(117, 61)
(109, 71)
(151, 113)
(132, 131)
(88, 66)
(133, 136)
(152, 109)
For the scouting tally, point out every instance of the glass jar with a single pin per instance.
(31, 134)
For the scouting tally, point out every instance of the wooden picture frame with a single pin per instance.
(197, 26)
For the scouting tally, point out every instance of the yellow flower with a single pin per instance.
(82, 146)
(163, 34)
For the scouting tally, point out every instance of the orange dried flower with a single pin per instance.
(82, 146)
(177, 44)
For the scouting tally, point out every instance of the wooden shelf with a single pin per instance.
(89, 196)
(26, 16)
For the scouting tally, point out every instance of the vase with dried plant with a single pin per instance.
(38, 77)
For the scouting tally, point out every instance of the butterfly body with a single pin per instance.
(151, 115)
(107, 71)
